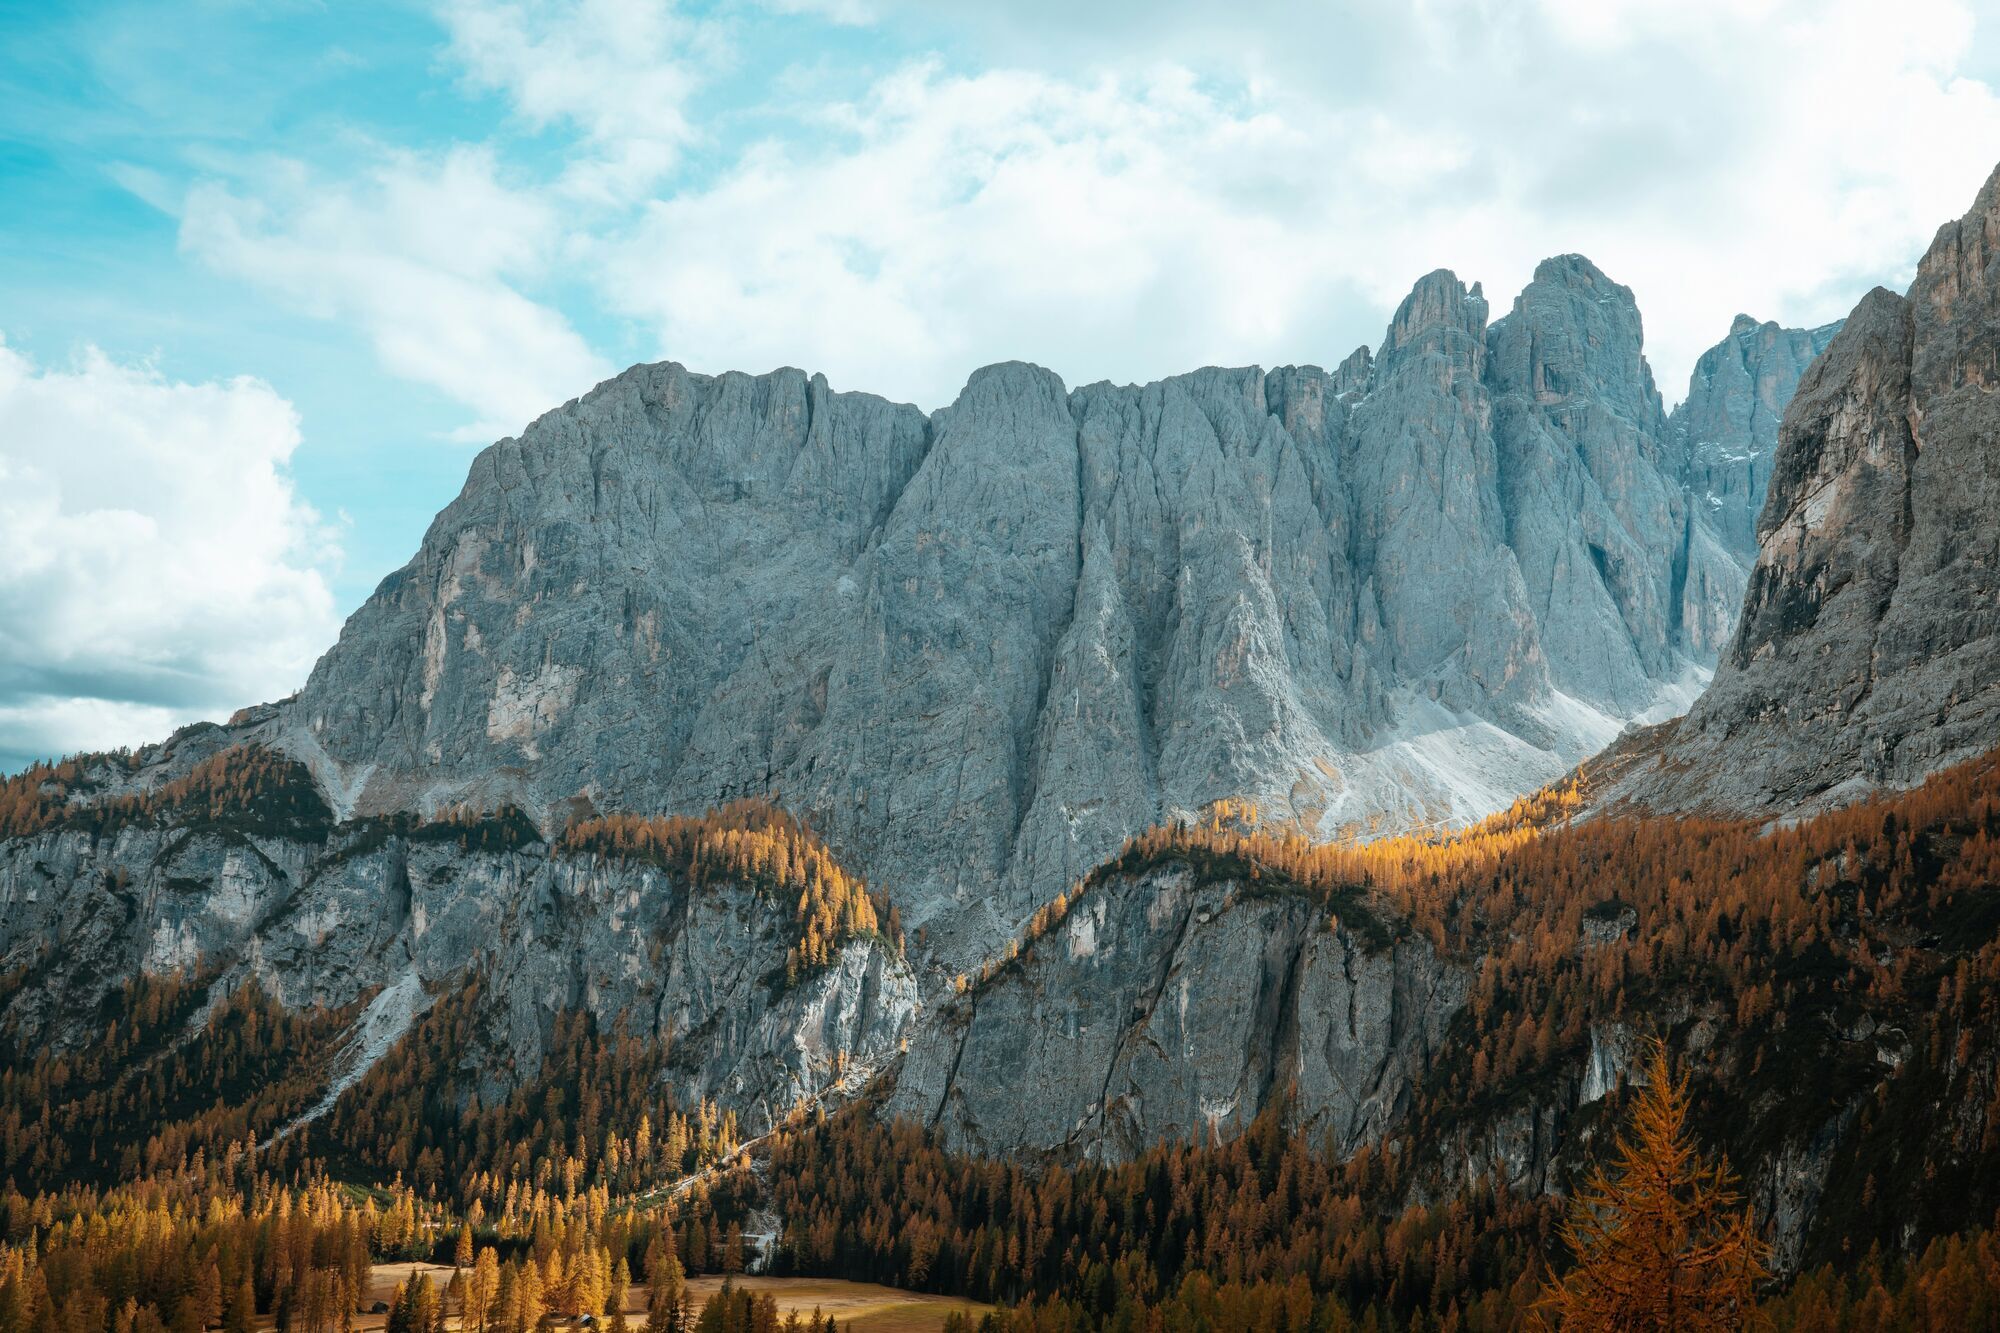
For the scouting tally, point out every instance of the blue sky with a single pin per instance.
(270, 273)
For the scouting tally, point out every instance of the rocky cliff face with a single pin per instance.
(978, 650)
(1868, 652)
(1169, 1006)
(1727, 426)
(398, 916)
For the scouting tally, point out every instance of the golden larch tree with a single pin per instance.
(1661, 1237)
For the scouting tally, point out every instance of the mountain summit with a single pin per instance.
(979, 649)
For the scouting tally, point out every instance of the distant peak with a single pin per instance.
(1438, 303)
(1569, 268)
(1017, 382)
(1575, 273)
(1015, 374)
(1351, 375)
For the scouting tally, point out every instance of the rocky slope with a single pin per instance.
(1868, 653)
(979, 649)
(398, 914)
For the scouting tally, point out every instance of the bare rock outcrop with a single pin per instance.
(401, 919)
(1868, 650)
(1168, 1006)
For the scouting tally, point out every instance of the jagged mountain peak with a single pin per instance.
(1576, 270)
(978, 648)
(1574, 333)
(1353, 374)
(1442, 315)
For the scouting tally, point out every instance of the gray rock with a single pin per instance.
(1868, 653)
(1727, 426)
(404, 921)
(1164, 1008)
(977, 651)
(1593, 503)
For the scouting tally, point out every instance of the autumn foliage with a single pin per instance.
(245, 787)
(1660, 1238)
(753, 841)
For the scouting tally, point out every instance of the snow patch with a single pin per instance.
(1439, 769)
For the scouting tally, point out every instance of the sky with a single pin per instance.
(271, 271)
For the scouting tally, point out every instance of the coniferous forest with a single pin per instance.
(168, 1174)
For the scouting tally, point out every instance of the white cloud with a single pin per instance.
(1127, 199)
(618, 71)
(1104, 228)
(424, 254)
(1118, 216)
(156, 563)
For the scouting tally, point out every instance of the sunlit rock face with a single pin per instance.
(980, 648)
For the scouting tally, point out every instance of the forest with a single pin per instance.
(162, 1176)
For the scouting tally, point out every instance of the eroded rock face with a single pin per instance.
(408, 920)
(1727, 426)
(1868, 653)
(1593, 501)
(1165, 1008)
(977, 650)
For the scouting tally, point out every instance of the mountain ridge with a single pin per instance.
(1007, 635)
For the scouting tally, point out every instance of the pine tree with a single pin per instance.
(1660, 1240)
(666, 1284)
(400, 1311)
(481, 1286)
(241, 1316)
(732, 1248)
(621, 1282)
(206, 1302)
(532, 1308)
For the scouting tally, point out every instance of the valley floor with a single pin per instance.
(865, 1307)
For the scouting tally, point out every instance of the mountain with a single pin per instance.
(1475, 998)
(980, 649)
(1727, 426)
(616, 801)
(1726, 433)
(1868, 652)
(975, 652)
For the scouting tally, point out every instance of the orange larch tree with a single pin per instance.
(1661, 1238)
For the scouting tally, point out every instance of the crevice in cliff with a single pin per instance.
(1031, 757)
(1282, 1051)
(957, 1056)
(1142, 1013)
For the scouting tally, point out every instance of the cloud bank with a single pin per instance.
(156, 564)
(1126, 190)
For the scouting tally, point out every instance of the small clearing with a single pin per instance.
(862, 1306)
